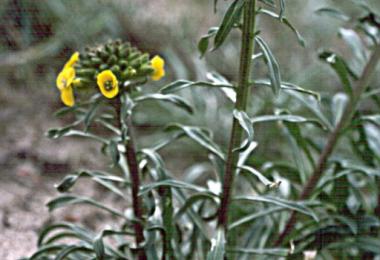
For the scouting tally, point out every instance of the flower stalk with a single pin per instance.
(130, 155)
(333, 138)
(247, 49)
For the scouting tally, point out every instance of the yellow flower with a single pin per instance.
(64, 84)
(157, 64)
(67, 96)
(73, 59)
(65, 78)
(108, 83)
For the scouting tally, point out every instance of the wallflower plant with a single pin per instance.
(331, 206)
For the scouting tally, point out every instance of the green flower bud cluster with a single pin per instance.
(126, 62)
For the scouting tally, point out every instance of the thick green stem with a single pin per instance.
(247, 47)
(130, 155)
(349, 112)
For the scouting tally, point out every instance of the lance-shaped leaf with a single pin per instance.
(102, 178)
(314, 106)
(219, 79)
(81, 233)
(355, 43)
(174, 99)
(199, 136)
(270, 3)
(290, 87)
(65, 200)
(171, 183)
(286, 118)
(182, 84)
(231, 17)
(217, 246)
(285, 21)
(335, 13)
(257, 174)
(67, 131)
(246, 124)
(260, 251)
(250, 217)
(339, 65)
(374, 119)
(339, 103)
(204, 41)
(292, 205)
(273, 67)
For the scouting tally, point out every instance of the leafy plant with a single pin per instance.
(330, 192)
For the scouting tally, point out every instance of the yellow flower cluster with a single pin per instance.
(106, 79)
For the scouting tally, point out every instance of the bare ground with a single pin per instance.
(31, 164)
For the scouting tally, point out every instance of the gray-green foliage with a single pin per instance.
(341, 217)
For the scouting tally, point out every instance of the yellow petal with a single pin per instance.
(73, 59)
(158, 74)
(107, 77)
(67, 96)
(65, 78)
(158, 65)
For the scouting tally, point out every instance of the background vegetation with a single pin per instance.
(36, 37)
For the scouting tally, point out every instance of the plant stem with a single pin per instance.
(130, 155)
(333, 138)
(168, 211)
(247, 47)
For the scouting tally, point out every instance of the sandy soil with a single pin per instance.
(30, 165)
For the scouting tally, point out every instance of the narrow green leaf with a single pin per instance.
(374, 119)
(90, 114)
(369, 244)
(231, 17)
(99, 247)
(335, 13)
(250, 217)
(292, 205)
(192, 200)
(270, 3)
(71, 249)
(182, 84)
(80, 232)
(219, 79)
(355, 43)
(174, 99)
(65, 200)
(171, 183)
(314, 106)
(257, 174)
(217, 246)
(200, 137)
(339, 65)
(56, 133)
(285, 21)
(246, 124)
(295, 132)
(339, 103)
(102, 178)
(290, 87)
(204, 41)
(273, 67)
(114, 152)
(261, 251)
(46, 250)
(286, 118)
